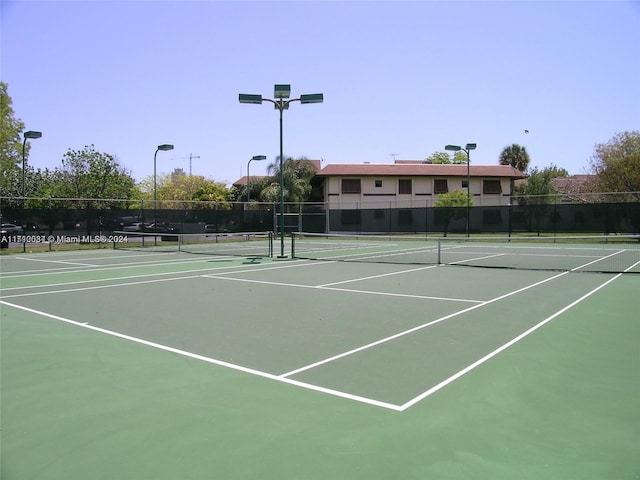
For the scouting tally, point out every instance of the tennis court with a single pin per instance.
(146, 361)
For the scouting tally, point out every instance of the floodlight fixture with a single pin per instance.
(281, 91)
(31, 134)
(454, 148)
(249, 98)
(165, 147)
(470, 146)
(312, 98)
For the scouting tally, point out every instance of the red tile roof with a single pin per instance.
(419, 169)
(407, 168)
(254, 178)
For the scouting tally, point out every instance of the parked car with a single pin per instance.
(160, 227)
(11, 229)
(215, 229)
(135, 227)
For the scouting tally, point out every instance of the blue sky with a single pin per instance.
(400, 79)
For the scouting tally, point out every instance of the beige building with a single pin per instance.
(407, 184)
(412, 184)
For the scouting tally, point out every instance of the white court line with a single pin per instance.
(477, 258)
(32, 259)
(419, 327)
(377, 276)
(214, 361)
(359, 256)
(632, 266)
(350, 290)
(598, 260)
(248, 268)
(124, 266)
(98, 268)
(98, 287)
(498, 350)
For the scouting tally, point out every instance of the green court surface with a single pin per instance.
(120, 364)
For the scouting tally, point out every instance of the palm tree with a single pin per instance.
(298, 173)
(516, 156)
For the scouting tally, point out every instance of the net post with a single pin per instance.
(439, 250)
(293, 244)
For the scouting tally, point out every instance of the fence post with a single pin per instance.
(327, 223)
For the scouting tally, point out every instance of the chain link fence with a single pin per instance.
(606, 214)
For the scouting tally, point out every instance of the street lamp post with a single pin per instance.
(30, 135)
(467, 148)
(164, 147)
(281, 94)
(257, 158)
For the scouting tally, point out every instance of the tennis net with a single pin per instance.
(610, 254)
(245, 244)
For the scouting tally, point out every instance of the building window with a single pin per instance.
(491, 187)
(404, 187)
(465, 184)
(378, 183)
(440, 186)
(350, 185)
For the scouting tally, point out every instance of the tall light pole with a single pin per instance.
(467, 148)
(164, 147)
(30, 135)
(281, 94)
(256, 158)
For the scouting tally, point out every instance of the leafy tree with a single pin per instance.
(457, 198)
(538, 187)
(271, 193)
(191, 188)
(450, 206)
(10, 146)
(438, 158)
(41, 185)
(256, 188)
(89, 174)
(616, 164)
(443, 158)
(460, 158)
(516, 156)
(213, 192)
(297, 175)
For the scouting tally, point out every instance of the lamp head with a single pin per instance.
(281, 91)
(259, 157)
(454, 148)
(249, 98)
(32, 134)
(312, 98)
(165, 147)
(470, 146)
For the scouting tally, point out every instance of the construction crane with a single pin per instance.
(190, 158)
